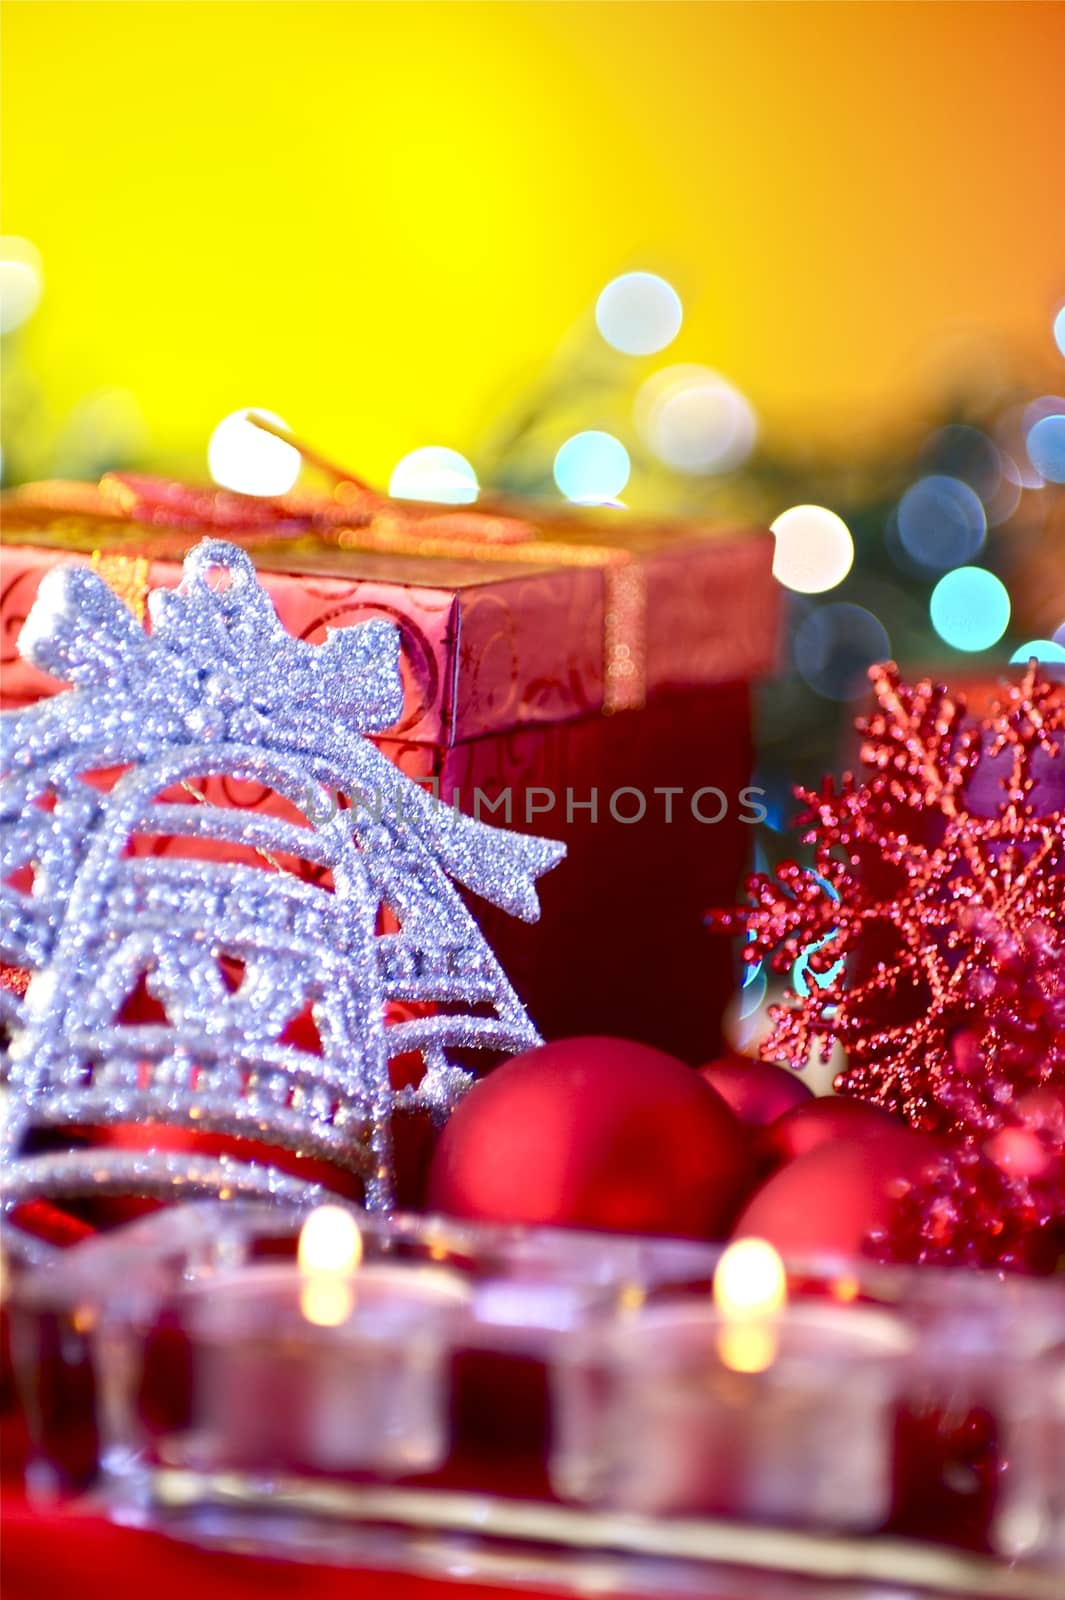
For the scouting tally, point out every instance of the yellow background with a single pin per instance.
(379, 220)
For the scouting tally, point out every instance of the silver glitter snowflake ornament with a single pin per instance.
(280, 916)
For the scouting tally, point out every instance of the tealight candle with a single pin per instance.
(331, 1364)
(983, 1404)
(751, 1407)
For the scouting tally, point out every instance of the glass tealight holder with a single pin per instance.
(787, 1420)
(285, 1372)
(982, 1415)
(193, 1342)
(586, 1411)
(1053, 1442)
(61, 1314)
(534, 1290)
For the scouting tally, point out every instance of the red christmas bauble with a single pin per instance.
(594, 1133)
(822, 1121)
(830, 1200)
(757, 1091)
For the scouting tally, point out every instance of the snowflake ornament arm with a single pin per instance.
(113, 887)
(948, 862)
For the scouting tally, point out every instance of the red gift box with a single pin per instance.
(580, 676)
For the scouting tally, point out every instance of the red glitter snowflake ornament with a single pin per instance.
(933, 923)
(1000, 1205)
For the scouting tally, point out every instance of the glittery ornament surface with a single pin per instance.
(1000, 1207)
(934, 919)
(339, 907)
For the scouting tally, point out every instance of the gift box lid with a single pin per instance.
(510, 615)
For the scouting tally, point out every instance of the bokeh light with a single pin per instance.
(1011, 433)
(970, 608)
(1046, 447)
(1047, 650)
(695, 421)
(1050, 653)
(241, 456)
(1058, 636)
(434, 473)
(592, 467)
(752, 993)
(801, 970)
(941, 522)
(814, 549)
(961, 451)
(1059, 330)
(21, 281)
(803, 975)
(834, 647)
(639, 313)
(1007, 497)
(1044, 405)
(746, 1022)
(106, 427)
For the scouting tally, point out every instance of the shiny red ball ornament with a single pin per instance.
(757, 1091)
(822, 1121)
(594, 1133)
(835, 1199)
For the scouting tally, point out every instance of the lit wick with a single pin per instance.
(750, 1289)
(329, 1252)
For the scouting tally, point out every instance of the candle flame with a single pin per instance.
(329, 1251)
(750, 1288)
(748, 1346)
(326, 1300)
(750, 1280)
(330, 1241)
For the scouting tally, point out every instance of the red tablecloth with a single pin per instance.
(64, 1554)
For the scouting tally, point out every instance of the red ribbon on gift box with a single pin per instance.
(356, 517)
